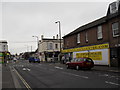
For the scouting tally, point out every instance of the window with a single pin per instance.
(78, 38)
(99, 32)
(86, 37)
(49, 46)
(113, 7)
(115, 29)
(56, 46)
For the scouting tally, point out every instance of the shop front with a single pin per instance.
(98, 53)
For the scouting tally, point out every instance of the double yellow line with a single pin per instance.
(24, 82)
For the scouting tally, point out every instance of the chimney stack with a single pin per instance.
(42, 37)
(53, 37)
(57, 36)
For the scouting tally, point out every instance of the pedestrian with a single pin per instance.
(63, 59)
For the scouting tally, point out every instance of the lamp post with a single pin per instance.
(37, 42)
(59, 34)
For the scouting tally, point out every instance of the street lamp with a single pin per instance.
(59, 34)
(37, 41)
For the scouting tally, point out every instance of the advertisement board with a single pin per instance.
(99, 56)
(93, 47)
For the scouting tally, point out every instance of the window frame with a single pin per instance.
(86, 36)
(113, 9)
(78, 38)
(99, 32)
(56, 46)
(114, 35)
(50, 46)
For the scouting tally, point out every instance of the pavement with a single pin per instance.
(7, 79)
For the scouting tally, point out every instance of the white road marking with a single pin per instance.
(28, 69)
(24, 69)
(113, 70)
(112, 83)
(58, 67)
(76, 75)
(106, 75)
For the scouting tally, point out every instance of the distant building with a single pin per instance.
(3, 46)
(49, 49)
(99, 40)
(3, 50)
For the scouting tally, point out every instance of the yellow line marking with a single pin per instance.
(24, 82)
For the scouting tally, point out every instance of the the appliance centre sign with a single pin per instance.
(94, 47)
(92, 55)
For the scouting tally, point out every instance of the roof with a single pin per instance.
(97, 22)
(3, 41)
(87, 26)
(49, 39)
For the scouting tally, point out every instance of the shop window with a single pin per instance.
(99, 32)
(78, 38)
(115, 29)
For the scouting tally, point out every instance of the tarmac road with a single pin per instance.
(50, 75)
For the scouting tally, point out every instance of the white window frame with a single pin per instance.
(78, 38)
(99, 32)
(114, 9)
(50, 46)
(113, 29)
(86, 37)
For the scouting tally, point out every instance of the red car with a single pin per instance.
(78, 63)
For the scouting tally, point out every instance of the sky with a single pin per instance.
(22, 19)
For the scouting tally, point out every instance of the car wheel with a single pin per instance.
(77, 67)
(67, 66)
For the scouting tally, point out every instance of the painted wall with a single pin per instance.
(99, 56)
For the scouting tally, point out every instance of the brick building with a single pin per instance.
(99, 40)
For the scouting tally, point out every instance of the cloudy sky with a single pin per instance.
(23, 19)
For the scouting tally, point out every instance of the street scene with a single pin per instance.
(56, 75)
(60, 45)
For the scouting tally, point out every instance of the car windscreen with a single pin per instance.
(80, 59)
(89, 60)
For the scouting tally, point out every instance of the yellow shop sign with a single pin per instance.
(101, 46)
(92, 55)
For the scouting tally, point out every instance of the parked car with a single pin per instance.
(78, 63)
(33, 59)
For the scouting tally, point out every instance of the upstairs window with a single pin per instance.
(56, 46)
(78, 38)
(114, 7)
(115, 29)
(86, 37)
(50, 46)
(99, 32)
